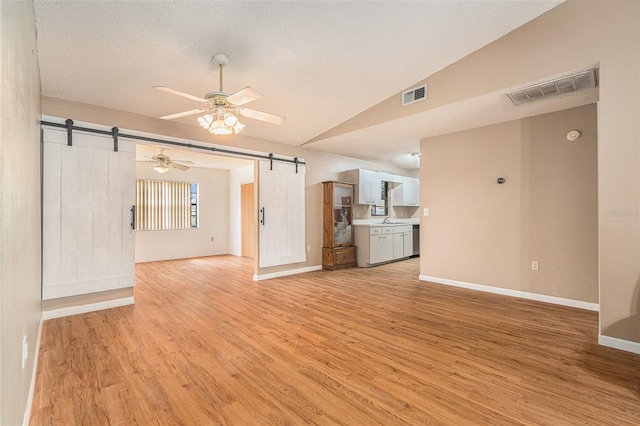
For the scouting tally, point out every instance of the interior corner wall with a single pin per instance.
(482, 232)
(237, 178)
(213, 212)
(20, 245)
(570, 36)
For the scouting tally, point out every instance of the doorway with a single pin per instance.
(247, 212)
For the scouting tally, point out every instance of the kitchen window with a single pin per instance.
(383, 208)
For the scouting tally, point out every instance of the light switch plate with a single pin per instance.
(426, 212)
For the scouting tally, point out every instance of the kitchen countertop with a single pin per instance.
(394, 222)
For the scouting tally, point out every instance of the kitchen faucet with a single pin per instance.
(386, 220)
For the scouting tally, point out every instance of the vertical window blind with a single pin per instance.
(162, 205)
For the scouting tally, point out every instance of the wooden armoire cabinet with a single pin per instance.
(338, 249)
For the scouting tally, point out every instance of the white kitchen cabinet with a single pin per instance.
(407, 193)
(368, 185)
(381, 244)
(380, 248)
(402, 242)
(398, 246)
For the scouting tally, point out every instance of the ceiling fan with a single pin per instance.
(162, 162)
(222, 109)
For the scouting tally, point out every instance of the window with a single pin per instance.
(383, 208)
(162, 205)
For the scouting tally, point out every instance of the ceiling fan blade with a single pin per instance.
(262, 116)
(244, 96)
(184, 95)
(183, 161)
(182, 114)
(177, 166)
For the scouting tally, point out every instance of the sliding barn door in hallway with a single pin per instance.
(88, 191)
(281, 197)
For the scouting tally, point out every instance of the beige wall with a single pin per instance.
(482, 232)
(20, 206)
(568, 37)
(213, 186)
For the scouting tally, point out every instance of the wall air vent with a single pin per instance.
(414, 95)
(571, 83)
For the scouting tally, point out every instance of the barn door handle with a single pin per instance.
(133, 217)
(262, 221)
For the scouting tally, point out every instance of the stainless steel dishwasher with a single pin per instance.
(416, 240)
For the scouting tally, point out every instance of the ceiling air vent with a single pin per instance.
(547, 89)
(414, 95)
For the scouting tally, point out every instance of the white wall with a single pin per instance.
(237, 178)
(20, 245)
(213, 212)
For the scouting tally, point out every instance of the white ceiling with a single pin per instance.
(317, 63)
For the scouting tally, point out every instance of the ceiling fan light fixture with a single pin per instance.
(205, 121)
(238, 127)
(161, 168)
(230, 120)
(219, 128)
(221, 124)
(223, 107)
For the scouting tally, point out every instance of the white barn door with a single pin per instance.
(281, 200)
(88, 191)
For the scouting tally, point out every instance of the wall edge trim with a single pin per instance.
(579, 304)
(263, 277)
(89, 307)
(32, 385)
(620, 344)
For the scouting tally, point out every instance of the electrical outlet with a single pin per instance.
(25, 351)
(308, 249)
(535, 265)
(357, 215)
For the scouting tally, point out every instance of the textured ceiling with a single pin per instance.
(317, 63)
(490, 108)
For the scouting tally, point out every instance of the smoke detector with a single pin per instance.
(573, 135)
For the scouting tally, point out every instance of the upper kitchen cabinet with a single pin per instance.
(368, 185)
(407, 193)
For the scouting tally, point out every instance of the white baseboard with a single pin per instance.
(623, 345)
(286, 273)
(89, 307)
(32, 385)
(515, 293)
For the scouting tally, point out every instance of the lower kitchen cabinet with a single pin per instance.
(402, 244)
(380, 248)
(381, 244)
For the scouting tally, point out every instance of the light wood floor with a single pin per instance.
(205, 345)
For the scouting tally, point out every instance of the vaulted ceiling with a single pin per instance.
(317, 63)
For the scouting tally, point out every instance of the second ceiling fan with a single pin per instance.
(222, 109)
